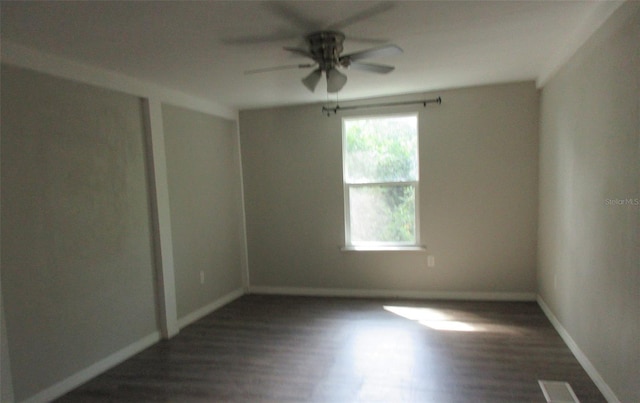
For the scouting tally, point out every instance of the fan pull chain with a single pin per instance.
(328, 110)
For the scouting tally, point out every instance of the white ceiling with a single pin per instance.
(203, 48)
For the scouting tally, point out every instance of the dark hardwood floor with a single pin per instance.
(302, 349)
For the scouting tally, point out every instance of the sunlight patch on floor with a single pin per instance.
(417, 313)
(383, 351)
(433, 318)
(450, 325)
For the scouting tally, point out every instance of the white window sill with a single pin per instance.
(376, 248)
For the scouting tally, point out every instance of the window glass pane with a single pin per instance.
(382, 213)
(381, 149)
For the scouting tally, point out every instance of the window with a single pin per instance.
(380, 161)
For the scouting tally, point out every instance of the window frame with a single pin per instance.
(374, 246)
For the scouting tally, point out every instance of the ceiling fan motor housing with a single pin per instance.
(325, 47)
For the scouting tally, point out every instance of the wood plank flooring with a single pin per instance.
(303, 349)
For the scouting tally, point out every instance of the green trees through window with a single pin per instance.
(381, 178)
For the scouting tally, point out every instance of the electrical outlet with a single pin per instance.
(431, 261)
(201, 277)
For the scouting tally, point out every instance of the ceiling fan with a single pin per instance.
(325, 50)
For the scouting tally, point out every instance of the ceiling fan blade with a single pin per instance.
(362, 15)
(382, 51)
(301, 52)
(276, 68)
(368, 41)
(278, 36)
(373, 68)
(289, 13)
(312, 79)
(335, 80)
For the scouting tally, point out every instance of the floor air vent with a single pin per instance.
(558, 392)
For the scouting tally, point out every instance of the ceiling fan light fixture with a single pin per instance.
(335, 80)
(311, 81)
(325, 49)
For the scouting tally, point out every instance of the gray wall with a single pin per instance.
(6, 382)
(589, 255)
(203, 168)
(77, 270)
(478, 197)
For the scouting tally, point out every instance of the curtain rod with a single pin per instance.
(337, 108)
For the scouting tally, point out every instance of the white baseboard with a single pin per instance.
(580, 356)
(363, 293)
(77, 379)
(207, 309)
